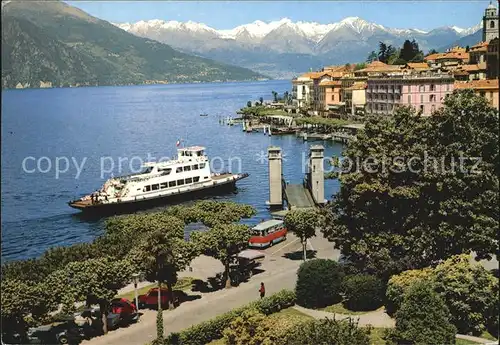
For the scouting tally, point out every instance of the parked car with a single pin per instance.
(91, 320)
(126, 309)
(150, 299)
(56, 333)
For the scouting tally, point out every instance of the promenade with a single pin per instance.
(279, 273)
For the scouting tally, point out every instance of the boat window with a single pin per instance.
(165, 171)
(163, 185)
(202, 165)
(206, 177)
(189, 180)
(196, 179)
(147, 188)
(195, 167)
(147, 170)
(180, 182)
(179, 169)
(155, 186)
(187, 168)
(171, 184)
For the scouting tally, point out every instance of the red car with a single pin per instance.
(150, 299)
(126, 309)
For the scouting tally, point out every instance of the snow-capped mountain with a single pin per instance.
(259, 29)
(284, 46)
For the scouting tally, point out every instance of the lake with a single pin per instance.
(87, 131)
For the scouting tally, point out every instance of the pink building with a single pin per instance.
(425, 93)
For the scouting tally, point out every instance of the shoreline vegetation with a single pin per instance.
(49, 85)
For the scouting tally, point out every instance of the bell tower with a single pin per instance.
(490, 23)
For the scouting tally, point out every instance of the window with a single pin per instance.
(163, 185)
(187, 168)
(178, 170)
(147, 188)
(333, 97)
(202, 165)
(432, 87)
(422, 108)
(421, 98)
(196, 179)
(172, 184)
(432, 98)
(447, 87)
(492, 24)
(180, 182)
(155, 187)
(409, 98)
(165, 171)
(195, 167)
(189, 180)
(421, 88)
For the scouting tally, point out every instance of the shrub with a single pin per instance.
(318, 283)
(423, 318)
(327, 331)
(362, 292)
(398, 284)
(205, 332)
(468, 290)
(247, 329)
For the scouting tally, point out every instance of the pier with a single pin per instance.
(309, 194)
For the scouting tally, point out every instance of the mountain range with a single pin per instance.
(50, 43)
(284, 48)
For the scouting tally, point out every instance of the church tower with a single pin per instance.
(490, 23)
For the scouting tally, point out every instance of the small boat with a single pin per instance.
(204, 114)
(177, 179)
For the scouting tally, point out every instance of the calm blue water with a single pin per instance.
(122, 122)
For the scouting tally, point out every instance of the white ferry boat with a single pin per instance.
(188, 174)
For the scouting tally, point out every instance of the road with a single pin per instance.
(279, 273)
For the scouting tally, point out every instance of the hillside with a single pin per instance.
(53, 43)
(465, 41)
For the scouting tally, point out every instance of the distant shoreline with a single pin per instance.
(143, 84)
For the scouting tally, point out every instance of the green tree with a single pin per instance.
(468, 291)
(222, 242)
(249, 104)
(401, 212)
(303, 224)
(360, 66)
(319, 283)
(275, 96)
(432, 51)
(261, 100)
(371, 57)
(94, 281)
(423, 318)
(285, 97)
(328, 331)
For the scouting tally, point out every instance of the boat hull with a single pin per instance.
(142, 204)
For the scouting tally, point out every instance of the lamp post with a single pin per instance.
(136, 280)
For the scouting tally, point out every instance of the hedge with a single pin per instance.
(205, 332)
(362, 292)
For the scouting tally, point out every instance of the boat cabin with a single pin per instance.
(268, 233)
(191, 152)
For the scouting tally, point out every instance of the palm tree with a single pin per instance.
(275, 96)
(285, 97)
(261, 100)
(157, 257)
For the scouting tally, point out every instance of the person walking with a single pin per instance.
(262, 290)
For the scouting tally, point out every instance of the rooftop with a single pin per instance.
(486, 84)
(358, 85)
(330, 83)
(417, 65)
(191, 148)
(267, 224)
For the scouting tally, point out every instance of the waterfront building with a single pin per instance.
(330, 96)
(492, 60)
(377, 68)
(355, 98)
(301, 92)
(477, 54)
(425, 92)
(490, 23)
(485, 88)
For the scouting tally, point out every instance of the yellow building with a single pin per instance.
(487, 88)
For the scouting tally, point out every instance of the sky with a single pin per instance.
(423, 15)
